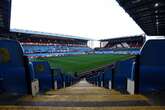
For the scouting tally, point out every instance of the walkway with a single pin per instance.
(82, 96)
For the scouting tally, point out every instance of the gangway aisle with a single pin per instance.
(82, 96)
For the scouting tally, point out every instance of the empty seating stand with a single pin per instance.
(15, 76)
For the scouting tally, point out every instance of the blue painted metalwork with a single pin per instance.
(43, 73)
(123, 71)
(107, 76)
(152, 66)
(13, 77)
(58, 77)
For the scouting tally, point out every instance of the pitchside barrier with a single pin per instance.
(43, 73)
(16, 74)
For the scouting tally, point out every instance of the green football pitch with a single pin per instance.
(82, 63)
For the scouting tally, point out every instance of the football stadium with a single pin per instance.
(45, 70)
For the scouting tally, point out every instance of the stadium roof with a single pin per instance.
(48, 35)
(148, 14)
(5, 11)
(125, 38)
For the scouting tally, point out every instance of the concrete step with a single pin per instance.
(87, 97)
(81, 96)
(83, 88)
(80, 108)
(83, 91)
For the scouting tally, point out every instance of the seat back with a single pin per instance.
(44, 74)
(13, 77)
(152, 66)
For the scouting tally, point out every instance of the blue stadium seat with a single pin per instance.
(15, 77)
(43, 73)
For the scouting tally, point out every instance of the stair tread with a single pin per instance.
(80, 108)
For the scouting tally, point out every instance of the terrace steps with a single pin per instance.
(82, 96)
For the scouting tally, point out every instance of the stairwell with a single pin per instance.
(82, 96)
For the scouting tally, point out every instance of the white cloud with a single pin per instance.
(96, 19)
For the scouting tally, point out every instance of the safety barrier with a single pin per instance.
(113, 76)
(152, 66)
(43, 73)
(62, 79)
(16, 75)
(142, 74)
(58, 78)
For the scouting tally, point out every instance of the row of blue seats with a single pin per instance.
(133, 51)
(19, 76)
(142, 74)
(118, 52)
(53, 49)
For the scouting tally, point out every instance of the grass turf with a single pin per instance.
(82, 63)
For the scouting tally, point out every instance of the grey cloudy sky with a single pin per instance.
(95, 19)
